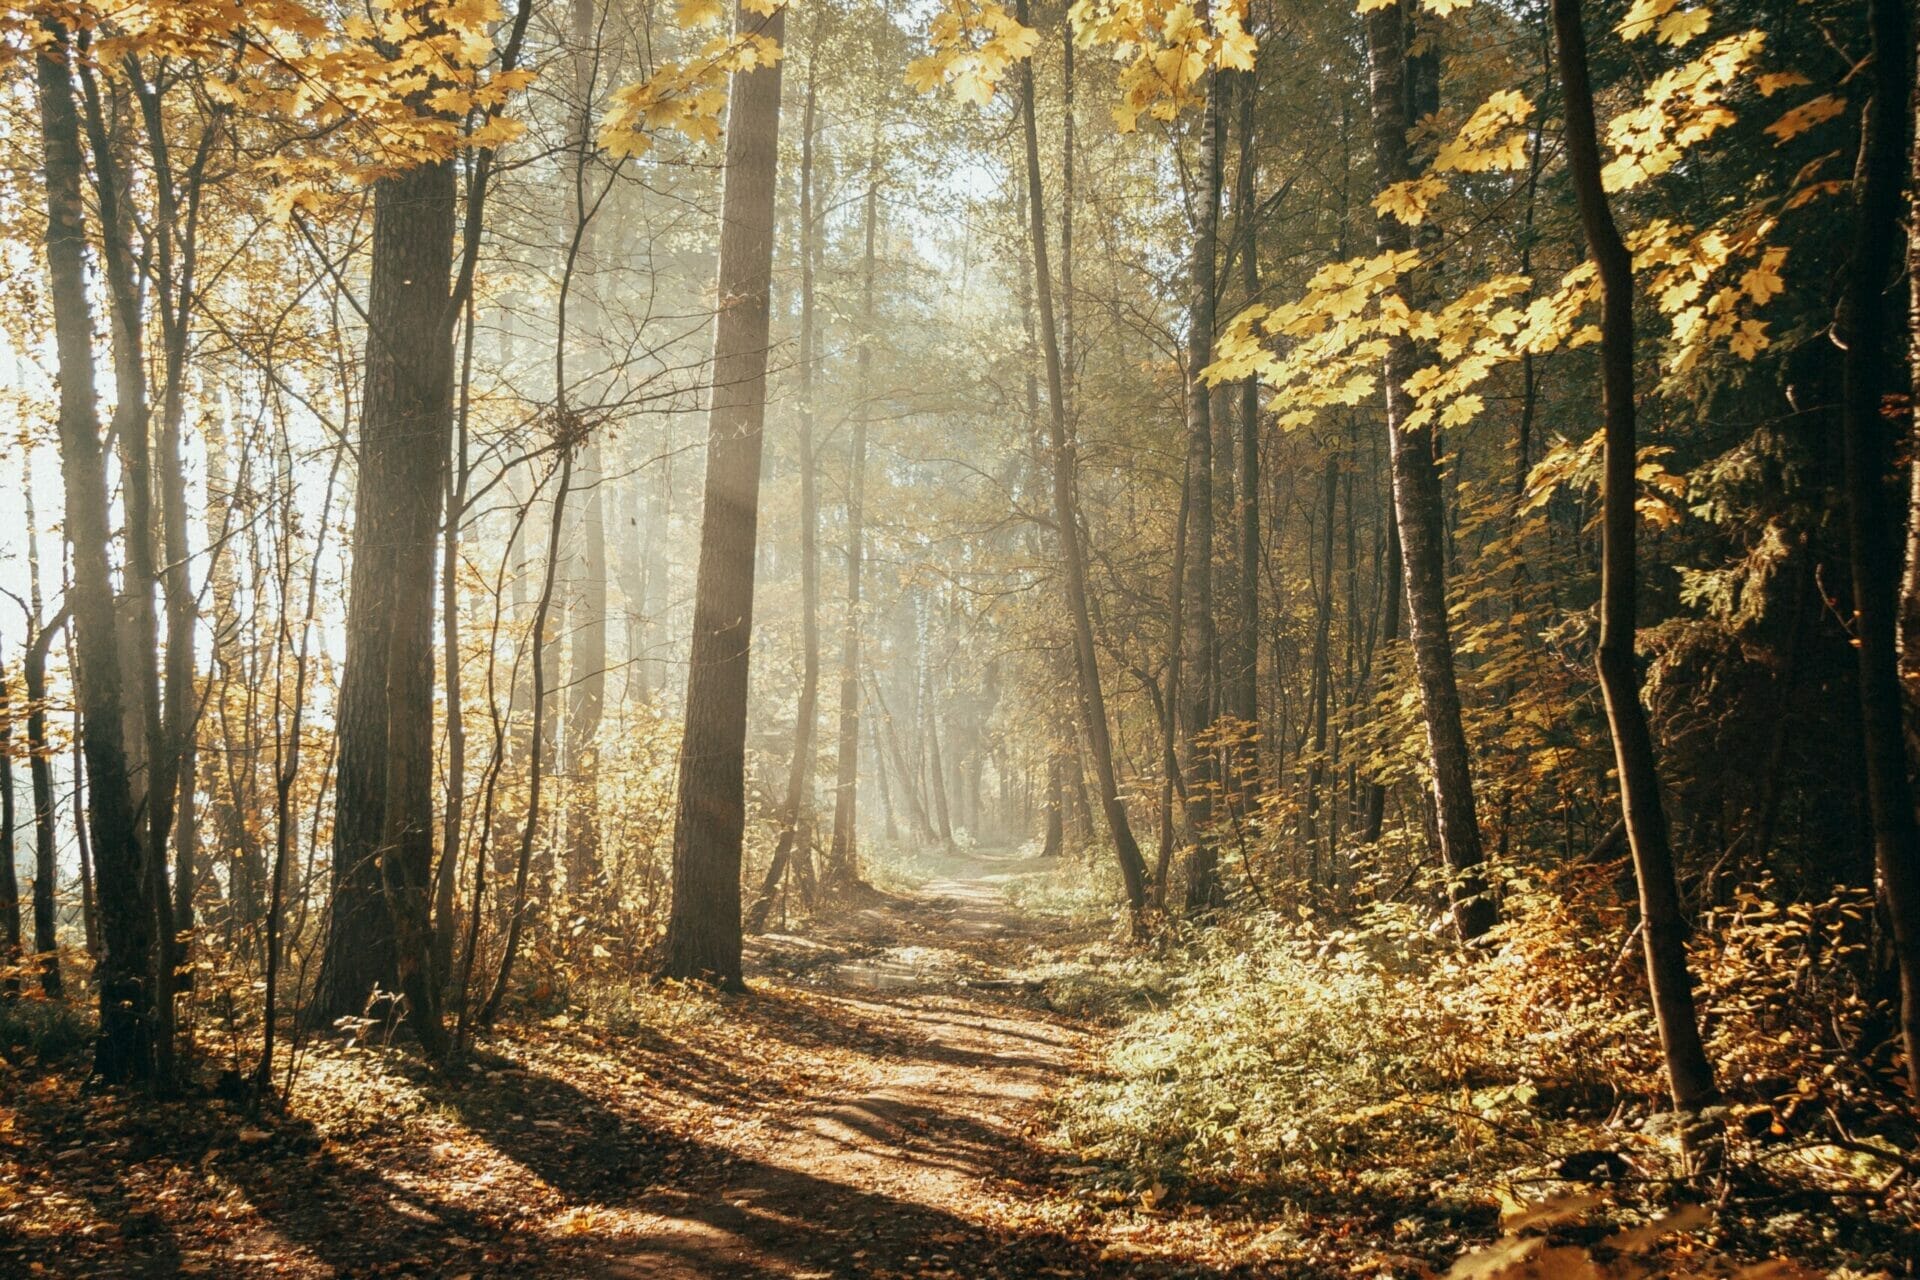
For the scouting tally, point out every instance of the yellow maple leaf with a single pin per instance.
(1677, 29)
(1812, 112)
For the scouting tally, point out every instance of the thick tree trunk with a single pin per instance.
(1663, 926)
(125, 1050)
(1420, 513)
(703, 930)
(379, 919)
(1866, 332)
(1067, 520)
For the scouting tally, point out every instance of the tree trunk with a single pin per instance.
(1866, 332)
(1201, 690)
(536, 754)
(587, 604)
(379, 920)
(842, 860)
(793, 823)
(9, 877)
(1066, 517)
(152, 772)
(703, 930)
(1242, 688)
(45, 836)
(1663, 926)
(1420, 514)
(125, 1049)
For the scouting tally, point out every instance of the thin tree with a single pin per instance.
(797, 813)
(703, 927)
(9, 876)
(124, 1050)
(1201, 691)
(1663, 925)
(842, 868)
(1419, 510)
(1066, 515)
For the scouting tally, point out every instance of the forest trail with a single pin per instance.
(948, 1060)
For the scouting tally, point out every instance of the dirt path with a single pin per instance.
(874, 1109)
(914, 1161)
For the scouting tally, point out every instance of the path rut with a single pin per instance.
(907, 1167)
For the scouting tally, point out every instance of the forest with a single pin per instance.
(963, 638)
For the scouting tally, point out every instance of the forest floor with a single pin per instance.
(875, 1107)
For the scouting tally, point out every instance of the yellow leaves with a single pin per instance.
(974, 42)
(1490, 139)
(1763, 281)
(1682, 108)
(1167, 47)
(1410, 201)
(1665, 21)
(1814, 111)
(1774, 81)
(699, 13)
(686, 95)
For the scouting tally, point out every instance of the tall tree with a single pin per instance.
(1418, 505)
(1663, 924)
(587, 634)
(796, 822)
(1066, 515)
(1866, 330)
(703, 929)
(1201, 688)
(842, 862)
(125, 1049)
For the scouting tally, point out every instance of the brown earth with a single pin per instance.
(876, 1106)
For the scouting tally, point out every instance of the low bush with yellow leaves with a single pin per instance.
(1378, 1061)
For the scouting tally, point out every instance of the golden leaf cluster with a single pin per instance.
(974, 43)
(1167, 49)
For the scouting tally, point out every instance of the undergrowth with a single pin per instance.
(1282, 1054)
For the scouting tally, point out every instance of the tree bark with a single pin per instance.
(379, 919)
(1201, 690)
(1242, 688)
(703, 929)
(1663, 926)
(1419, 511)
